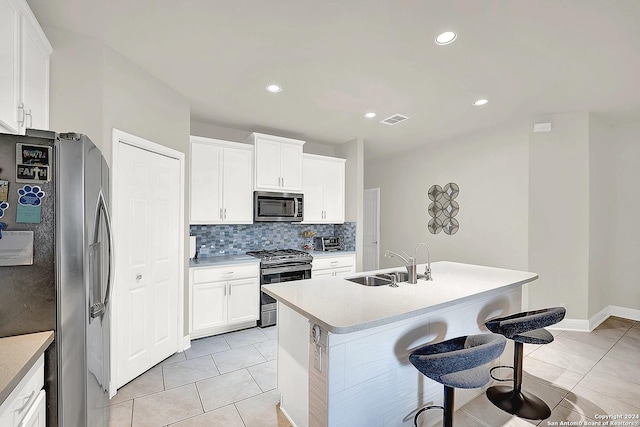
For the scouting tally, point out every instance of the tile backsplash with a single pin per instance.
(214, 240)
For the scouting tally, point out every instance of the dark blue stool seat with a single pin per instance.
(457, 363)
(523, 328)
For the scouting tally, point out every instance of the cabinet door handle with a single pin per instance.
(21, 117)
(225, 213)
(229, 290)
(220, 214)
(225, 290)
(30, 118)
(283, 181)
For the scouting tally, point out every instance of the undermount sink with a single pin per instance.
(401, 276)
(380, 279)
(370, 280)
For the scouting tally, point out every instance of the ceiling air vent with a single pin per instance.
(392, 120)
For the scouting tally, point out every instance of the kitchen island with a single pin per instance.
(343, 348)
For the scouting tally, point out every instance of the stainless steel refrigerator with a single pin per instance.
(55, 188)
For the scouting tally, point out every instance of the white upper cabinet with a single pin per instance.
(24, 69)
(324, 189)
(278, 163)
(221, 182)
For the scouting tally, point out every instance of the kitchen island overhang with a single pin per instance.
(343, 347)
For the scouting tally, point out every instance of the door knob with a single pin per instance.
(139, 277)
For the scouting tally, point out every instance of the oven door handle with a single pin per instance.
(295, 207)
(287, 269)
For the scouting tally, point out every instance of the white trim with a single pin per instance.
(595, 320)
(118, 137)
(287, 415)
(186, 343)
(375, 190)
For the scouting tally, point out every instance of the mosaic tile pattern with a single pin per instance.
(443, 208)
(214, 240)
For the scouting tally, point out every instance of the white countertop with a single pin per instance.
(214, 261)
(341, 306)
(17, 355)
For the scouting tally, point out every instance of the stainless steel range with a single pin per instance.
(277, 266)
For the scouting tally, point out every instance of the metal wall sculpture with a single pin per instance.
(443, 208)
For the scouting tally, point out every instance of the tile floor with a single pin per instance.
(229, 381)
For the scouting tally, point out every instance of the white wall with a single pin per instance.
(623, 217)
(602, 214)
(353, 151)
(491, 170)
(559, 215)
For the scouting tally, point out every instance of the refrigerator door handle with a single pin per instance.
(99, 308)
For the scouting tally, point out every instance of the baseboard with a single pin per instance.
(571, 325)
(627, 313)
(287, 416)
(595, 320)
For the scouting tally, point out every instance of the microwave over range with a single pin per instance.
(273, 207)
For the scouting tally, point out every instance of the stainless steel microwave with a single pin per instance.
(274, 207)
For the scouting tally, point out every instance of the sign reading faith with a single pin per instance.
(33, 163)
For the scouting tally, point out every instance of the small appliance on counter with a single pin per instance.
(322, 243)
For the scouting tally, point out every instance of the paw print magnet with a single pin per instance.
(29, 209)
(3, 207)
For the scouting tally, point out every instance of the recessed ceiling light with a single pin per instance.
(480, 102)
(446, 38)
(370, 115)
(274, 88)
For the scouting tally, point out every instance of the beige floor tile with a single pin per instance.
(572, 346)
(268, 349)
(564, 414)
(620, 369)
(262, 410)
(245, 337)
(483, 410)
(228, 388)
(624, 351)
(121, 414)
(178, 357)
(237, 358)
(632, 337)
(271, 332)
(592, 402)
(601, 340)
(167, 407)
(571, 362)
(609, 385)
(189, 371)
(203, 346)
(226, 416)
(614, 322)
(264, 374)
(552, 374)
(462, 419)
(147, 383)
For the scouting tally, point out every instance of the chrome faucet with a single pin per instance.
(410, 263)
(427, 270)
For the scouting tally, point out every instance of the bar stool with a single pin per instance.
(523, 328)
(457, 363)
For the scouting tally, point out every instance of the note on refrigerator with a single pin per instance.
(16, 248)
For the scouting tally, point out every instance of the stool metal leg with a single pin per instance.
(447, 417)
(514, 400)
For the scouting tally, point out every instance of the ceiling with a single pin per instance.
(337, 60)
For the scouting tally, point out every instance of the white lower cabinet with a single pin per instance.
(224, 298)
(26, 405)
(338, 265)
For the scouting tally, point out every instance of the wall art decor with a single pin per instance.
(443, 208)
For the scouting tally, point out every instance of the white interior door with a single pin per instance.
(371, 229)
(147, 226)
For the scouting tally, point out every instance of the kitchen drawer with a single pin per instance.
(333, 262)
(17, 404)
(224, 273)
